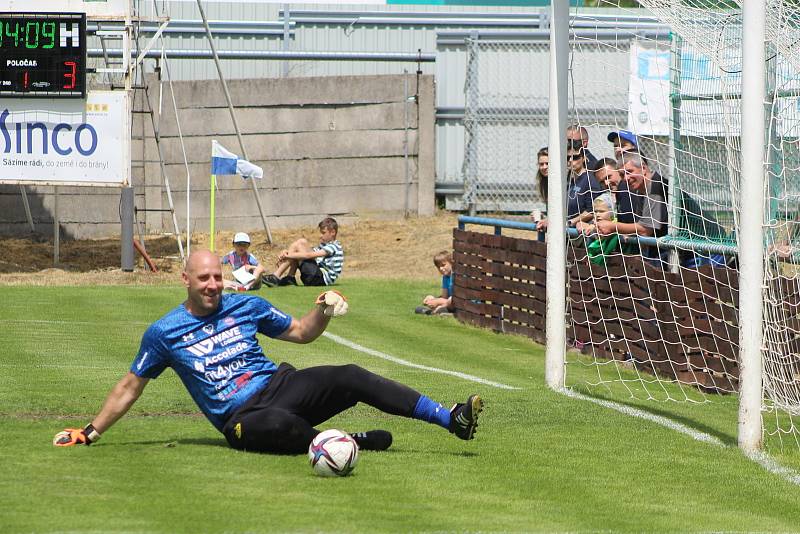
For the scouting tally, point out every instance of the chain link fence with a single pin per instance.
(505, 120)
(506, 116)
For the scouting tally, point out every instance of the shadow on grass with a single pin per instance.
(220, 442)
(726, 439)
(212, 442)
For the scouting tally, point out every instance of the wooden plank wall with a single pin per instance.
(679, 325)
(500, 282)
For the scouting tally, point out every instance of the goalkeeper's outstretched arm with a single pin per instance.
(119, 401)
(117, 404)
(305, 330)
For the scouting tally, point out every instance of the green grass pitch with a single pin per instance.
(540, 461)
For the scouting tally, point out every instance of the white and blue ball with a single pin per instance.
(333, 453)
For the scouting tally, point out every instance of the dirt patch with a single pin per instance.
(373, 248)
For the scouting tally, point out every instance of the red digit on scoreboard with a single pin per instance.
(70, 75)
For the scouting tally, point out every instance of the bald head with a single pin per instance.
(202, 277)
(199, 259)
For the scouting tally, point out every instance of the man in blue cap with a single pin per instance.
(624, 141)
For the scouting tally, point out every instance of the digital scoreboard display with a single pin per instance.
(43, 55)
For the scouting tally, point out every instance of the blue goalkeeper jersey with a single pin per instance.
(217, 357)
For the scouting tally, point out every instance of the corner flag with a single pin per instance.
(224, 161)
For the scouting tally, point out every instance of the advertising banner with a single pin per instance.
(648, 91)
(66, 142)
(710, 103)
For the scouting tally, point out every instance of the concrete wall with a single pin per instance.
(328, 146)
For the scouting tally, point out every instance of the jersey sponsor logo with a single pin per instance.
(201, 348)
(208, 329)
(235, 386)
(141, 362)
(225, 371)
(205, 347)
(227, 337)
(188, 337)
(229, 321)
(224, 355)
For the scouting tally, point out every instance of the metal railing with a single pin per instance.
(663, 243)
(228, 28)
(275, 54)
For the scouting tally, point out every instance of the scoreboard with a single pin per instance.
(43, 55)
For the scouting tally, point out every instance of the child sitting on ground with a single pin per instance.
(443, 304)
(319, 266)
(240, 257)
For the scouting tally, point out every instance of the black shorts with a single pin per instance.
(281, 417)
(311, 274)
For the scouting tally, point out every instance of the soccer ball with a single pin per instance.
(333, 453)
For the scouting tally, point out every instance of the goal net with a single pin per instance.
(658, 319)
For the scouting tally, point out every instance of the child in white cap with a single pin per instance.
(240, 258)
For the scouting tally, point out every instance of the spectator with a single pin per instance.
(648, 199)
(320, 265)
(608, 179)
(608, 174)
(624, 141)
(543, 163)
(240, 257)
(577, 134)
(582, 188)
(444, 303)
(787, 246)
(602, 245)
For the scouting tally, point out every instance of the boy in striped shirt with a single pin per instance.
(319, 266)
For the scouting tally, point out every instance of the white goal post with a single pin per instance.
(750, 235)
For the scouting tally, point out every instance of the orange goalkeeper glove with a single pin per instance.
(75, 436)
(333, 303)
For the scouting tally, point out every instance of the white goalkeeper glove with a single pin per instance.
(333, 303)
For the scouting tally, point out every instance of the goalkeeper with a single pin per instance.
(210, 342)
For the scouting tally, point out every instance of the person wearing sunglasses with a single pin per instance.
(579, 134)
(582, 186)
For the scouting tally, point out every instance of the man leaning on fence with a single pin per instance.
(648, 199)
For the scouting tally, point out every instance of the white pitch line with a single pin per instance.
(767, 462)
(332, 337)
(635, 412)
(383, 355)
(761, 458)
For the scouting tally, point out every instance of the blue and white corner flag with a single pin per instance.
(225, 162)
